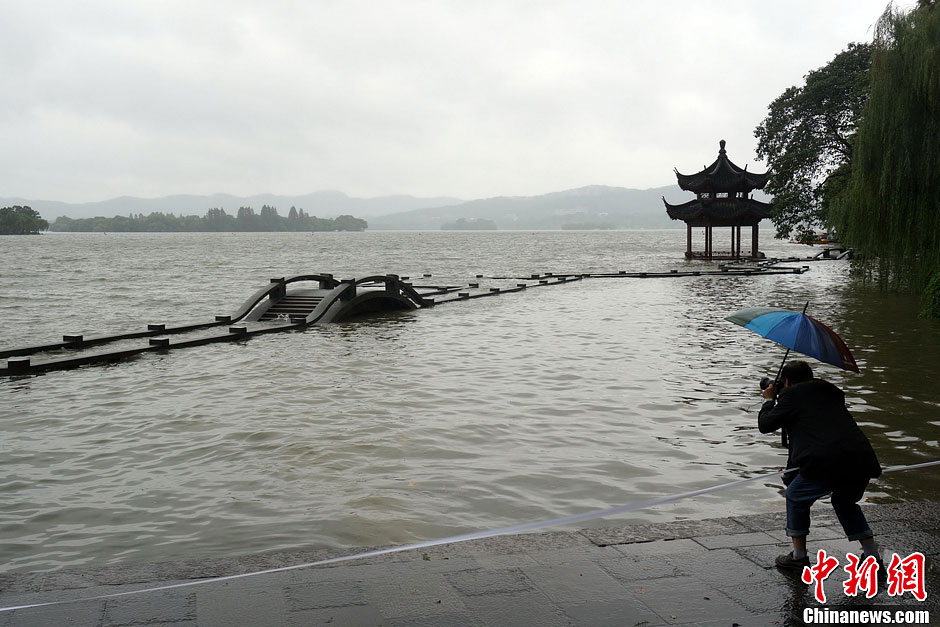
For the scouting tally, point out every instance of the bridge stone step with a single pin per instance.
(292, 306)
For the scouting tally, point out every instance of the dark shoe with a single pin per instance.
(789, 562)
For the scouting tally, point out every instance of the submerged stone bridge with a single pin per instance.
(293, 303)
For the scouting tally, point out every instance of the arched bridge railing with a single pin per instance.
(277, 290)
(274, 290)
(395, 285)
(349, 298)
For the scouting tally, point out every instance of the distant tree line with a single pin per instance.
(215, 220)
(19, 220)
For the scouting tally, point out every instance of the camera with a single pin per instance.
(766, 382)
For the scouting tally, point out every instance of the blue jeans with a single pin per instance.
(803, 492)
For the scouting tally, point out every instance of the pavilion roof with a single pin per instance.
(722, 176)
(720, 211)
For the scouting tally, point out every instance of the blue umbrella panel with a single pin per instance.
(799, 332)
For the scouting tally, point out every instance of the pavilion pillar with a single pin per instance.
(688, 240)
(738, 234)
(754, 241)
(732, 243)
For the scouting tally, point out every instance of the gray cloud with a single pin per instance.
(107, 98)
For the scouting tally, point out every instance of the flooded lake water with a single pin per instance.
(419, 425)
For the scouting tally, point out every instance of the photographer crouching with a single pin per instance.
(832, 454)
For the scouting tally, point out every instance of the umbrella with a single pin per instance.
(797, 331)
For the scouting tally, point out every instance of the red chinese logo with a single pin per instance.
(862, 575)
(817, 574)
(907, 575)
(903, 575)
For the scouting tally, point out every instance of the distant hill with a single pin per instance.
(597, 206)
(612, 207)
(323, 204)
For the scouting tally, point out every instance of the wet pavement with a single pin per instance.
(706, 572)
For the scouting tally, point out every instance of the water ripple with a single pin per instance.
(410, 426)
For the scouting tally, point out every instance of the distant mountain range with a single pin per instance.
(595, 206)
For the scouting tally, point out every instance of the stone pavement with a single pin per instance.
(707, 572)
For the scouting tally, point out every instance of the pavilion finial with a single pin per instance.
(721, 147)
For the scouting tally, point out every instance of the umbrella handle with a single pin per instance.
(780, 369)
(784, 440)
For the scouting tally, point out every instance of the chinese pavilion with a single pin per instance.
(722, 198)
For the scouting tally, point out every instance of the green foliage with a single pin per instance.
(890, 207)
(19, 220)
(215, 220)
(807, 139)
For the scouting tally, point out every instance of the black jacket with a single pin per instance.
(825, 441)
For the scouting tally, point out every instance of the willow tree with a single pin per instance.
(890, 209)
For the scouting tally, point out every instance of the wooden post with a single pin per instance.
(738, 229)
(754, 241)
(688, 241)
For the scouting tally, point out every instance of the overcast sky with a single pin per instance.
(463, 98)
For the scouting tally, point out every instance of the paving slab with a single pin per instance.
(319, 595)
(629, 568)
(518, 608)
(728, 540)
(720, 567)
(709, 572)
(606, 536)
(573, 582)
(416, 596)
(481, 582)
(626, 612)
(233, 605)
(686, 599)
(172, 606)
